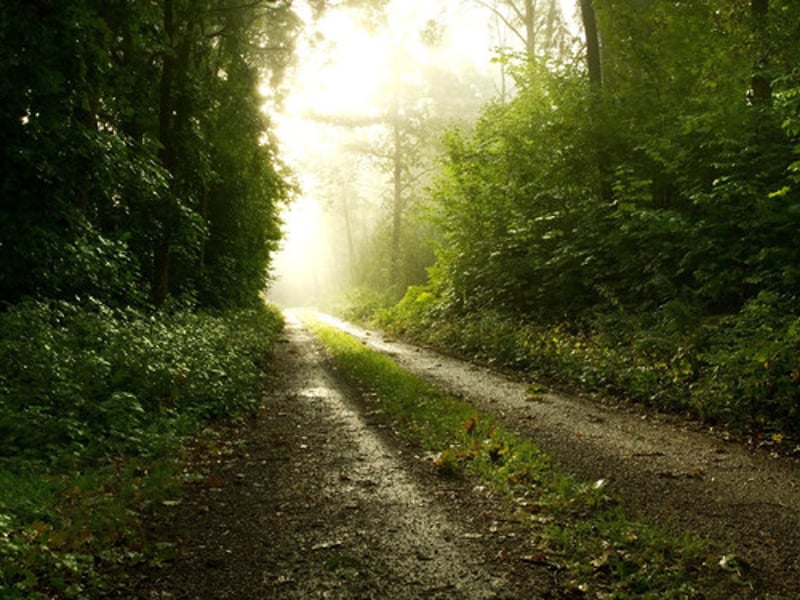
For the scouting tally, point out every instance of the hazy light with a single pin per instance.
(342, 70)
(345, 75)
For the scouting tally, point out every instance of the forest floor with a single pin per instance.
(318, 498)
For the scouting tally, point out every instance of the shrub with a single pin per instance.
(98, 381)
(741, 370)
(91, 400)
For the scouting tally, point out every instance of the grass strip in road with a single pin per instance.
(574, 527)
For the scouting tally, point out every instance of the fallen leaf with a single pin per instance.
(732, 564)
(471, 423)
(601, 563)
(539, 558)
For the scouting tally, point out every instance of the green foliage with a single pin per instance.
(741, 371)
(136, 166)
(564, 202)
(576, 527)
(361, 303)
(751, 368)
(637, 238)
(413, 309)
(91, 403)
(105, 381)
(137, 162)
(79, 535)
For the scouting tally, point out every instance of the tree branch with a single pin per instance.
(504, 19)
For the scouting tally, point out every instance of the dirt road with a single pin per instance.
(662, 468)
(317, 499)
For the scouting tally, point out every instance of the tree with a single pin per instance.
(537, 24)
(217, 45)
(762, 84)
(110, 149)
(415, 103)
(698, 206)
(593, 62)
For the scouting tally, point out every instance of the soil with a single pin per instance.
(318, 497)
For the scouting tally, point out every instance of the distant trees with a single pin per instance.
(390, 241)
(538, 25)
(137, 164)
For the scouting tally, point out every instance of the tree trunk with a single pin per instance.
(530, 28)
(593, 61)
(349, 230)
(552, 19)
(397, 207)
(161, 262)
(761, 84)
(595, 69)
(159, 285)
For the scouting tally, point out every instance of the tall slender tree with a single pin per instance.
(538, 25)
(761, 82)
(592, 36)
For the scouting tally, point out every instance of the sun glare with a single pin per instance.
(345, 73)
(342, 70)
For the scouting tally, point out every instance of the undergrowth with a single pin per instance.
(95, 402)
(740, 371)
(575, 528)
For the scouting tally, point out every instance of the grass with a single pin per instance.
(574, 527)
(738, 371)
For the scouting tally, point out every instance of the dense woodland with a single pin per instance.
(625, 215)
(141, 190)
(137, 163)
(628, 218)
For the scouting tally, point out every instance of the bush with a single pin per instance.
(742, 370)
(98, 381)
(91, 401)
(362, 303)
(751, 368)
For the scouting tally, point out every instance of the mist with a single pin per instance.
(361, 124)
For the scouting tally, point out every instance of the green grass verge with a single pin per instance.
(740, 371)
(574, 527)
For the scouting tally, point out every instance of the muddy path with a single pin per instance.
(318, 498)
(662, 468)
